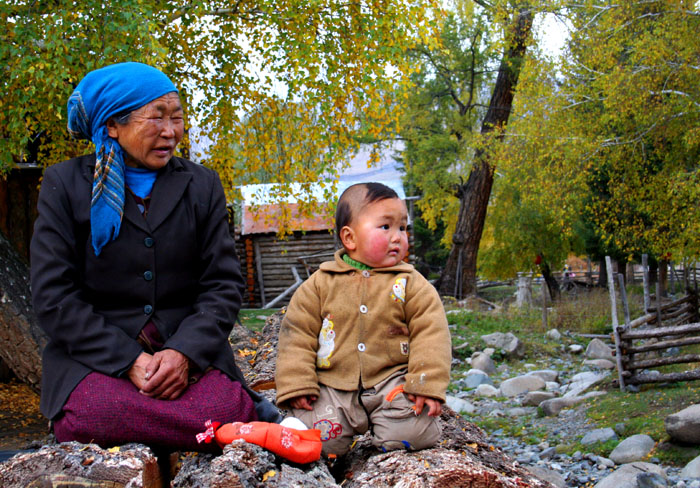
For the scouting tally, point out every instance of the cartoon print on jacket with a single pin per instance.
(398, 291)
(326, 342)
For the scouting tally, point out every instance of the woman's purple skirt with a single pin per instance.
(110, 411)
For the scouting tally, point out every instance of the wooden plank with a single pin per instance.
(258, 268)
(663, 345)
(661, 331)
(664, 377)
(653, 363)
(645, 279)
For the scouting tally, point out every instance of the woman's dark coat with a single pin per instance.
(177, 267)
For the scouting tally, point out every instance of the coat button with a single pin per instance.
(148, 275)
(361, 347)
(147, 309)
(363, 308)
(365, 273)
(148, 242)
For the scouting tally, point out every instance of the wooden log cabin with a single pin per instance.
(271, 265)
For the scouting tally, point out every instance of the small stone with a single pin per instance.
(598, 435)
(486, 390)
(553, 334)
(459, 405)
(548, 453)
(576, 348)
(534, 398)
(651, 480)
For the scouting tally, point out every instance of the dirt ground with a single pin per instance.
(20, 419)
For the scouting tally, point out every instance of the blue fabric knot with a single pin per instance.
(103, 93)
(140, 180)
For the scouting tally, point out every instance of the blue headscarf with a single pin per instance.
(103, 93)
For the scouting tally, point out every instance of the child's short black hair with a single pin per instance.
(373, 192)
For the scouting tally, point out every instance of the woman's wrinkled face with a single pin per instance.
(153, 132)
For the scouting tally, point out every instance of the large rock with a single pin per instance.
(684, 426)
(599, 363)
(459, 405)
(474, 378)
(510, 344)
(485, 390)
(131, 465)
(243, 464)
(521, 384)
(483, 362)
(552, 407)
(626, 475)
(597, 349)
(548, 475)
(534, 398)
(432, 468)
(692, 469)
(598, 435)
(546, 374)
(583, 381)
(634, 448)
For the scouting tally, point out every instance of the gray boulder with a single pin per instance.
(634, 448)
(599, 363)
(483, 362)
(474, 378)
(521, 384)
(583, 381)
(597, 349)
(575, 348)
(626, 475)
(534, 398)
(486, 390)
(510, 344)
(692, 469)
(651, 480)
(598, 435)
(459, 405)
(546, 374)
(684, 426)
(555, 405)
(548, 475)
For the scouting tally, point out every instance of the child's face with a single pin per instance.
(379, 238)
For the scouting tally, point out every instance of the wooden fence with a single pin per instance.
(647, 341)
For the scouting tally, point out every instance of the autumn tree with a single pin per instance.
(612, 143)
(456, 124)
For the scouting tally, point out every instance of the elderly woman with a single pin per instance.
(135, 278)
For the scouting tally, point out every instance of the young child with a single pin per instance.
(364, 344)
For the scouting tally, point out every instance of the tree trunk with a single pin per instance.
(459, 276)
(550, 281)
(21, 339)
(663, 277)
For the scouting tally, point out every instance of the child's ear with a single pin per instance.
(347, 237)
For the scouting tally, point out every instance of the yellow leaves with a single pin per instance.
(270, 474)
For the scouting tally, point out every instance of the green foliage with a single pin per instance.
(608, 134)
(280, 87)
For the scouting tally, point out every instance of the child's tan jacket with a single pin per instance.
(345, 328)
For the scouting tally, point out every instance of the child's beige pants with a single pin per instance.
(340, 415)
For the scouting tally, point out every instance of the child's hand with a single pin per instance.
(303, 402)
(435, 406)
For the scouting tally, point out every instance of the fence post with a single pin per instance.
(658, 305)
(616, 332)
(544, 304)
(645, 279)
(623, 297)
